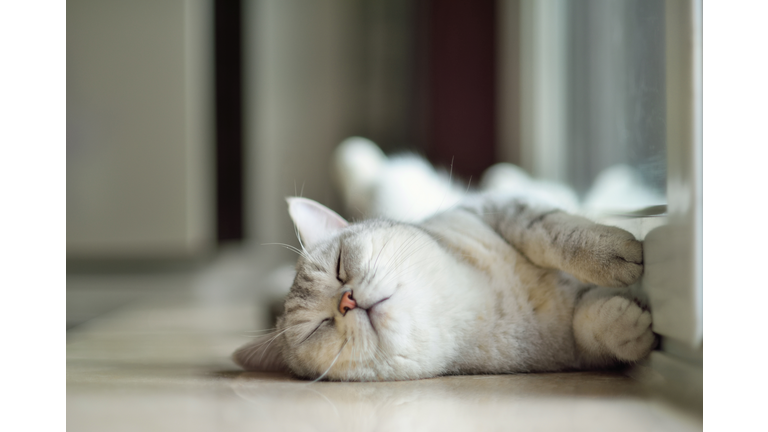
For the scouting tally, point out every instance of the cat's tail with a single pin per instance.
(357, 166)
(403, 187)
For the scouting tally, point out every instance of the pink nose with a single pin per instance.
(347, 303)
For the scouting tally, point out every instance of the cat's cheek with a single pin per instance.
(379, 316)
(314, 356)
(397, 333)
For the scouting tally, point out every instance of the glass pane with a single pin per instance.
(616, 114)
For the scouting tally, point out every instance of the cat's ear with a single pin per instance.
(263, 355)
(314, 220)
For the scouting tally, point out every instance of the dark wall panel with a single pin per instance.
(229, 121)
(462, 85)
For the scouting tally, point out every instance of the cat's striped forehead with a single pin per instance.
(316, 272)
(311, 282)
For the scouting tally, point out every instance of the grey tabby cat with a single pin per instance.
(494, 285)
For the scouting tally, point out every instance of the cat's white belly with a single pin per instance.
(521, 316)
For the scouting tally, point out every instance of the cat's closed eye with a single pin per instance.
(339, 269)
(327, 320)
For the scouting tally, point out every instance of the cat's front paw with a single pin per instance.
(624, 328)
(615, 257)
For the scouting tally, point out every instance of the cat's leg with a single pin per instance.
(551, 238)
(609, 327)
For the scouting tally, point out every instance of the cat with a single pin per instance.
(496, 284)
(407, 188)
(403, 187)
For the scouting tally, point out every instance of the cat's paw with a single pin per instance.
(615, 257)
(624, 328)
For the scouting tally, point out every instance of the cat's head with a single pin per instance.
(362, 306)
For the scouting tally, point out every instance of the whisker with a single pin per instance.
(257, 333)
(405, 256)
(332, 363)
(405, 249)
(359, 211)
(270, 343)
(298, 236)
(263, 346)
(398, 253)
(375, 264)
(289, 247)
(450, 178)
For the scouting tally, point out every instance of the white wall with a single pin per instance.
(302, 80)
(139, 136)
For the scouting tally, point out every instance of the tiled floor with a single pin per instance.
(151, 352)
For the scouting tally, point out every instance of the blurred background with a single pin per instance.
(188, 122)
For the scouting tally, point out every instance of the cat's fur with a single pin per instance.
(494, 285)
(407, 188)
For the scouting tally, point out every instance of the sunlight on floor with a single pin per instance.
(151, 352)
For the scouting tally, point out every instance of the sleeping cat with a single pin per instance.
(494, 285)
